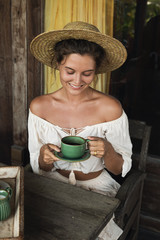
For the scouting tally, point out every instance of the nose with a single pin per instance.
(77, 79)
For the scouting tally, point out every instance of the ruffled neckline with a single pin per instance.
(116, 121)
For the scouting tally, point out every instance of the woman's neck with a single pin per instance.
(79, 98)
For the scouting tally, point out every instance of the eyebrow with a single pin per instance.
(89, 70)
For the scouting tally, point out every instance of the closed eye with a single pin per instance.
(70, 72)
(88, 73)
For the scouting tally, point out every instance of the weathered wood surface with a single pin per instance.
(19, 74)
(151, 204)
(150, 222)
(5, 81)
(55, 210)
(145, 234)
(140, 131)
(35, 26)
(150, 211)
(153, 165)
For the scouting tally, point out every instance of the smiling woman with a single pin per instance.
(79, 52)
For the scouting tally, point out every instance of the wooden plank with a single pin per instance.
(148, 235)
(138, 126)
(153, 165)
(150, 210)
(5, 81)
(151, 195)
(19, 77)
(35, 25)
(66, 209)
(129, 225)
(19, 155)
(150, 222)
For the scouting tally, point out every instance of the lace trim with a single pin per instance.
(72, 131)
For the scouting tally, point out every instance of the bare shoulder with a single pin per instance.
(110, 107)
(40, 104)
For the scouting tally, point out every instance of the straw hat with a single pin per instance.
(42, 46)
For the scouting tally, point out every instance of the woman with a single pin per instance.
(79, 52)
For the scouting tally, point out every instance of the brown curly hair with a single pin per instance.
(80, 46)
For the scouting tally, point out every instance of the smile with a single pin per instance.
(75, 86)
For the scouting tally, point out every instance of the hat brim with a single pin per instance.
(42, 47)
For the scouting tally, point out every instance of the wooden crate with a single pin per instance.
(13, 227)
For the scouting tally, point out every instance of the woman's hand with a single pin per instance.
(97, 146)
(100, 147)
(47, 157)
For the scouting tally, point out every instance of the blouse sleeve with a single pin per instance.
(118, 135)
(34, 144)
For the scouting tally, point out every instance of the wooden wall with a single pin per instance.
(21, 75)
(6, 128)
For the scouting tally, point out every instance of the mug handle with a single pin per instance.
(87, 140)
(10, 191)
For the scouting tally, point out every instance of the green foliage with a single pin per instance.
(153, 9)
(124, 17)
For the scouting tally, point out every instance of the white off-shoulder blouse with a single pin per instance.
(43, 132)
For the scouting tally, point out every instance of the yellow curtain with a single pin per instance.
(59, 12)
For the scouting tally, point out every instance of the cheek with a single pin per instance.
(64, 77)
(89, 80)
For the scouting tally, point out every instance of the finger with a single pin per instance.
(93, 138)
(98, 154)
(93, 144)
(95, 141)
(99, 144)
(48, 160)
(49, 156)
(97, 147)
(54, 147)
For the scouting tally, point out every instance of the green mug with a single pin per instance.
(73, 147)
(5, 208)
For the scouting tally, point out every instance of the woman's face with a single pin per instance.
(77, 72)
